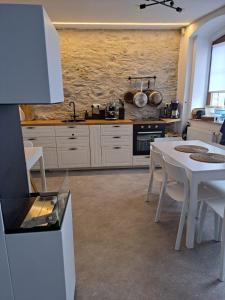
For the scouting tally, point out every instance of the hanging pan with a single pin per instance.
(140, 98)
(155, 97)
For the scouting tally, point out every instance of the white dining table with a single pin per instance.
(197, 172)
(33, 155)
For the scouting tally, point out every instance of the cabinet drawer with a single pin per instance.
(50, 159)
(74, 157)
(116, 129)
(141, 160)
(82, 141)
(116, 140)
(38, 131)
(72, 130)
(45, 142)
(116, 156)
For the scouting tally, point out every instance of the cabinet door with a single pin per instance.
(116, 129)
(45, 141)
(116, 156)
(72, 130)
(50, 159)
(74, 157)
(37, 131)
(95, 146)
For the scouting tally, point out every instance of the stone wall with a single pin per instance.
(97, 63)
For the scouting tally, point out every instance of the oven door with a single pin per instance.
(143, 140)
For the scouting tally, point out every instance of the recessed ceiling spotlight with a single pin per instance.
(167, 3)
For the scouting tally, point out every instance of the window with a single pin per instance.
(217, 74)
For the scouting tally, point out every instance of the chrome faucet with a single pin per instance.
(72, 103)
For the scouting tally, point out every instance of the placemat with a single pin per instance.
(208, 157)
(191, 149)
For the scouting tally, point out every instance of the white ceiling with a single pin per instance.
(123, 10)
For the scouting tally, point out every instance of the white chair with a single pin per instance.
(178, 190)
(218, 206)
(28, 144)
(157, 171)
(31, 182)
(156, 163)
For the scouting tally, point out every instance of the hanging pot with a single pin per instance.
(140, 98)
(155, 98)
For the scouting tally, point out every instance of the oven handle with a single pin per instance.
(146, 132)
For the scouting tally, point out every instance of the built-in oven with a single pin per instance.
(144, 135)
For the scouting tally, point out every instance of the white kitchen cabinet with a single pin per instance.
(43, 136)
(95, 146)
(200, 134)
(141, 160)
(38, 131)
(116, 129)
(72, 130)
(116, 156)
(116, 140)
(73, 157)
(81, 141)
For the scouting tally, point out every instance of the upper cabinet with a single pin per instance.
(30, 64)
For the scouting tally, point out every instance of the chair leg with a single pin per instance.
(202, 220)
(161, 199)
(220, 230)
(150, 185)
(181, 224)
(222, 254)
(216, 227)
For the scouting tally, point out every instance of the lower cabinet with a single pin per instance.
(116, 156)
(74, 157)
(50, 159)
(141, 160)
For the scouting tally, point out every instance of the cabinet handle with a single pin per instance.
(147, 156)
(117, 137)
(116, 125)
(30, 127)
(72, 138)
(31, 139)
(116, 147)
(72, 148)
(71, 127)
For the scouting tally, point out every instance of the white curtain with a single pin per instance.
(217, 72)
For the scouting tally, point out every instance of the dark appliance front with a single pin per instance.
(144, 135)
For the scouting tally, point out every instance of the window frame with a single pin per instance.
(209, 94)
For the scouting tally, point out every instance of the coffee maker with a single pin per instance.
(112, 111)
(174, 109)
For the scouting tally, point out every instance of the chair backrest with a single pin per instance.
(175, 171)
(28, 144)
(168, 139)
(156, 158)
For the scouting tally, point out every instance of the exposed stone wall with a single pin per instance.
(97, 63)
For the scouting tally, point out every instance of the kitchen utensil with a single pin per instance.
(140, 98)
(155, 98)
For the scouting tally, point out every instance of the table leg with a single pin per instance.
(42, 171)
(192, 212)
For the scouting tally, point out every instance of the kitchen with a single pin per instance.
(135, 87)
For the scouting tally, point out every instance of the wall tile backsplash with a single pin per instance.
(97, 63)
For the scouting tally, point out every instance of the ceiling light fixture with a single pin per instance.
(167, 3)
